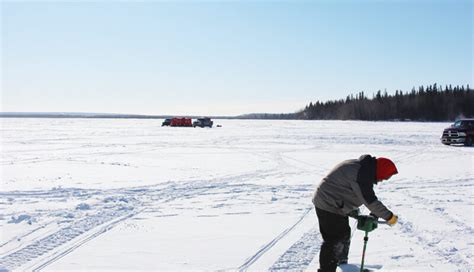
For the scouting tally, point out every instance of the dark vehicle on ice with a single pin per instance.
(461, 132)
(167, 122)
(203, 122)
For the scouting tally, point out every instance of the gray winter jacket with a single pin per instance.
(348, 186)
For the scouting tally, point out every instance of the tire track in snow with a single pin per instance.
(251, 260)
(102, 230)
(20, 237)
(300, 255)
(64, 235)
(45, 250)
(431, 198)
(440, 211)
(451, 255)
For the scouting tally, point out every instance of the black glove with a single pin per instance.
(374, 216)
(354, 213)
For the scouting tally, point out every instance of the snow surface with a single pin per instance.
(103, 194)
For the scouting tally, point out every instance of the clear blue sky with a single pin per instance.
(225, 58)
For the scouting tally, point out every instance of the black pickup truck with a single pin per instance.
(203, 122)
(461, 132)
(167, 122)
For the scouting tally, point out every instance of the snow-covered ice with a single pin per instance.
(111, 194)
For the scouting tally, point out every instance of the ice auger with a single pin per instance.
(366, 223)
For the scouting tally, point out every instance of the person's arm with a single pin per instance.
(366, 194)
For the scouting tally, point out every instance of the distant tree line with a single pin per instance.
(430, 103)
(268, 116)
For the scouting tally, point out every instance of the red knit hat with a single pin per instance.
(385, 169)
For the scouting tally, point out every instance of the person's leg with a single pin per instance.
(334, 229)
(342, 254)
(342, 248)
(326, 257)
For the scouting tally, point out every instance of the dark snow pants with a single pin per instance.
(336, 234)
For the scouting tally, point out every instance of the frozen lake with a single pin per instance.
(112, 194)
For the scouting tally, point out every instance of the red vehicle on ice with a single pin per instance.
(181, 122)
